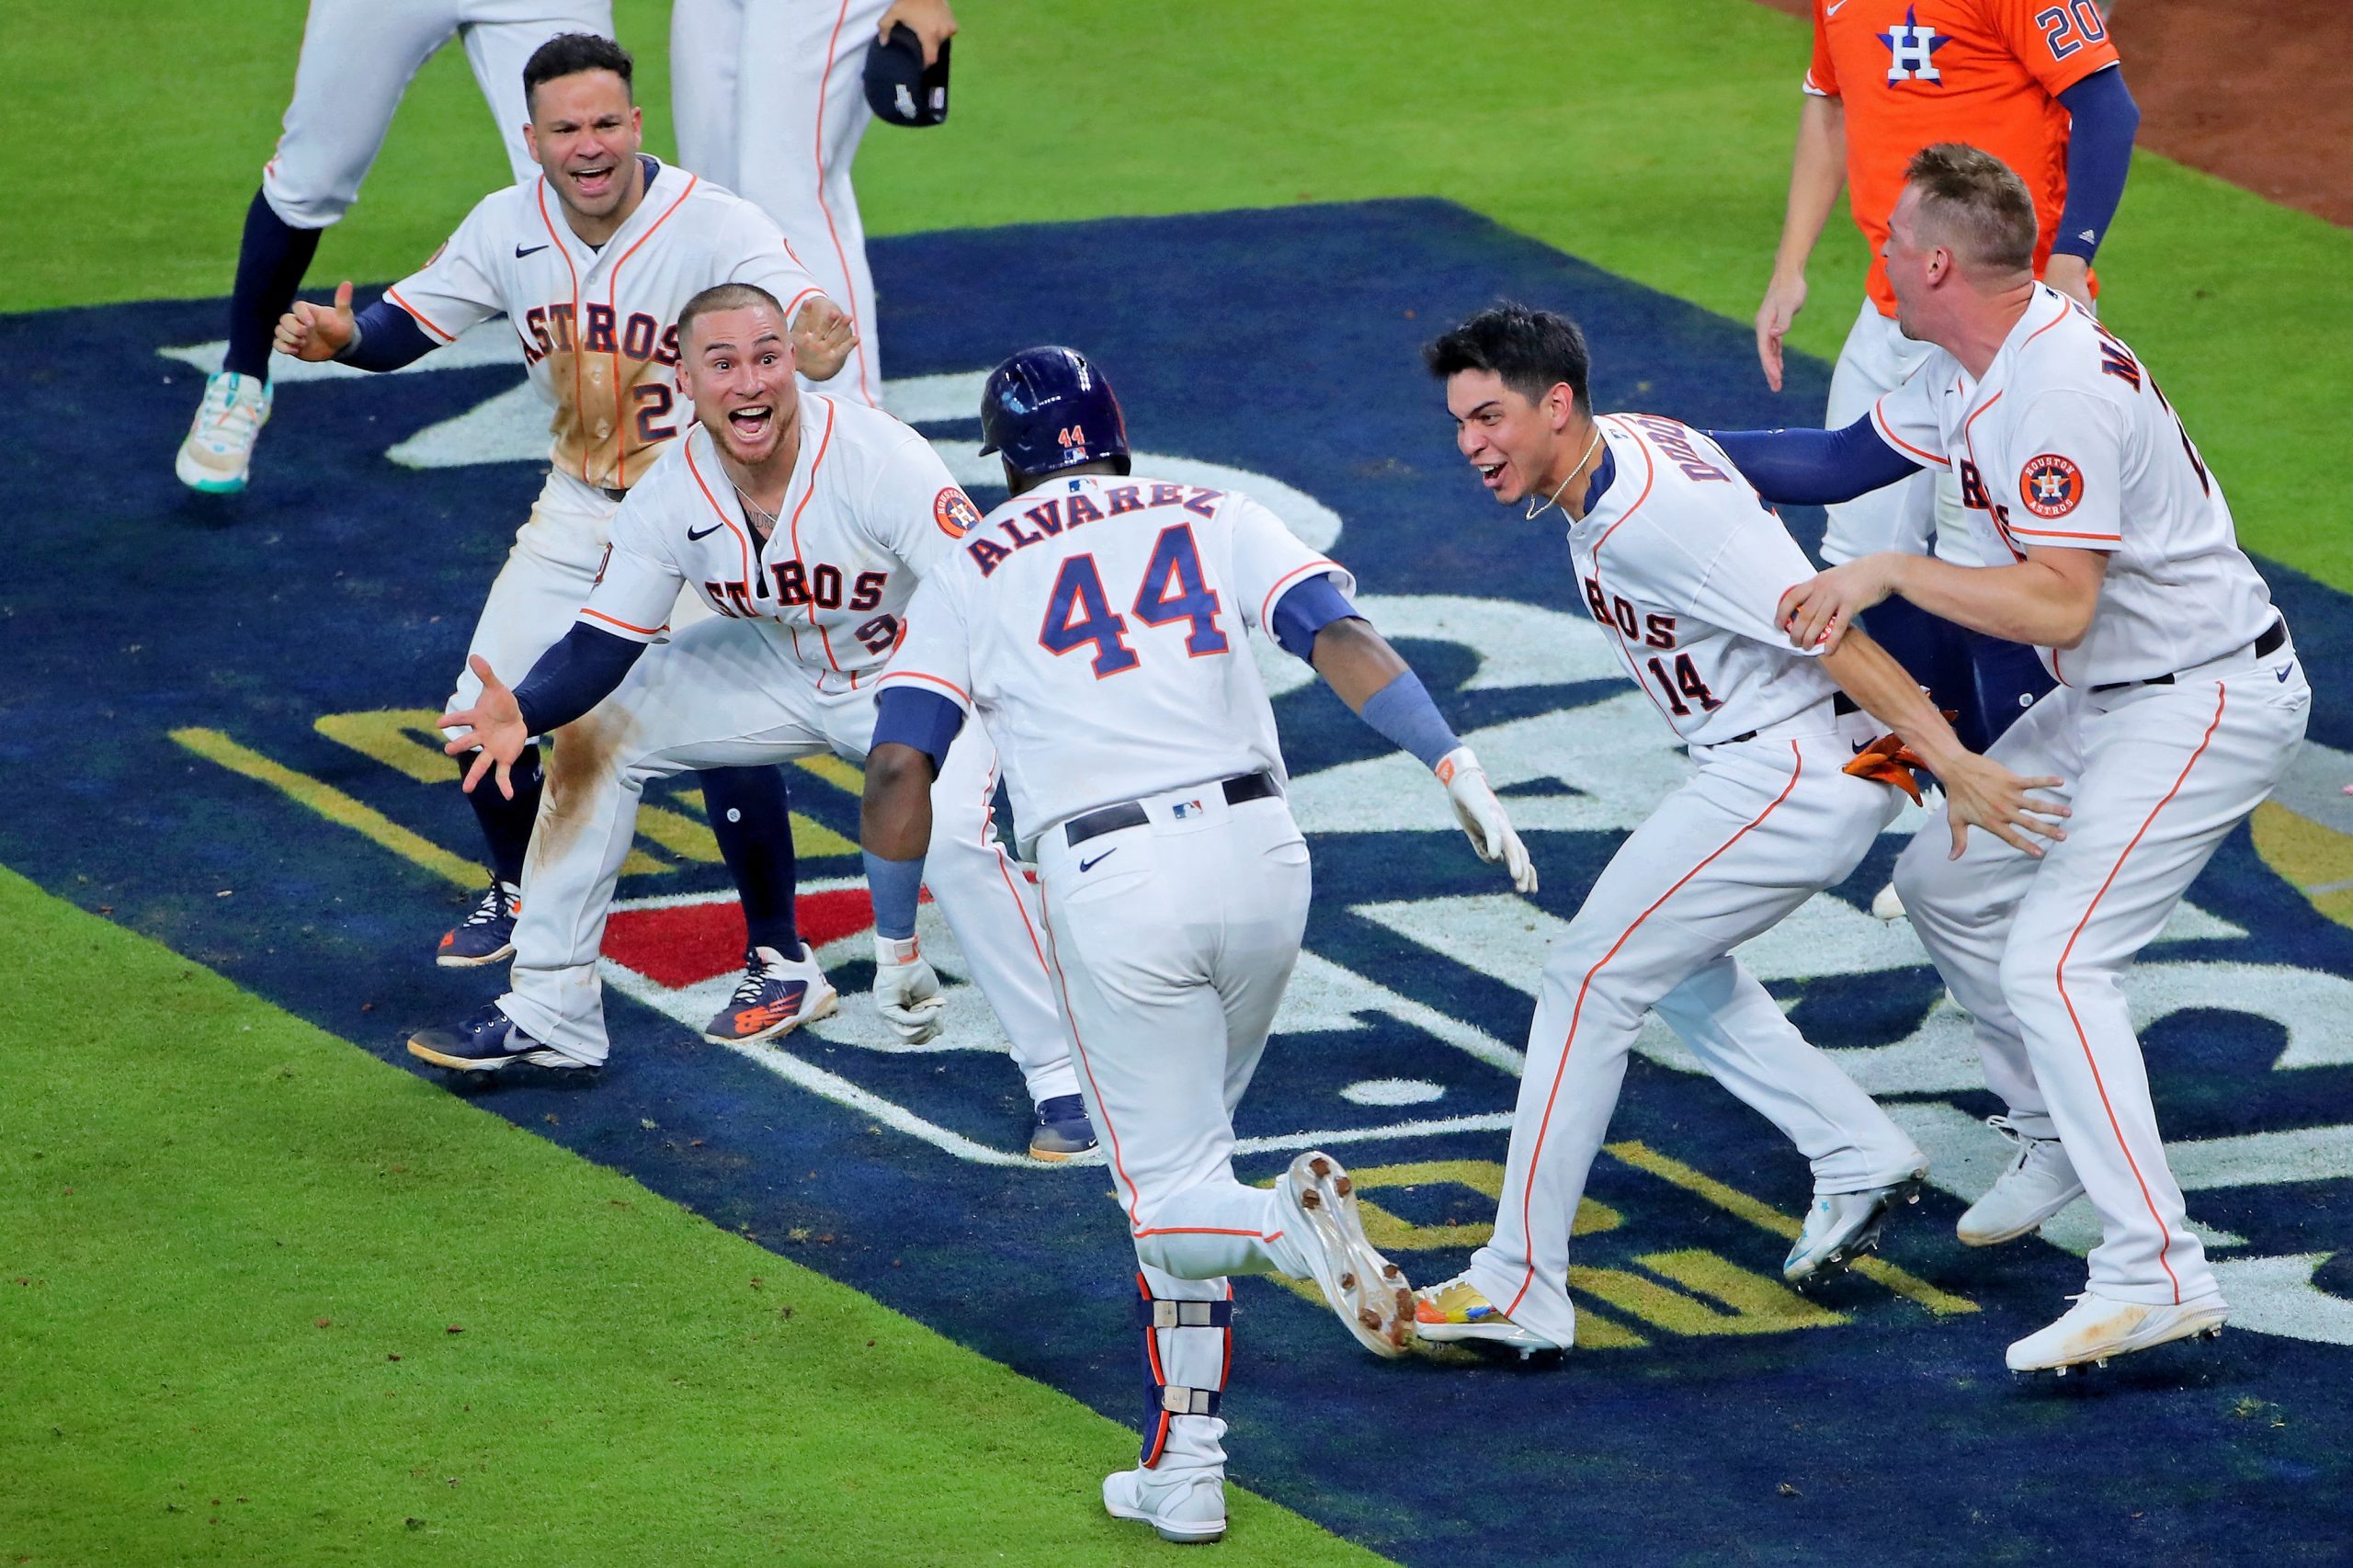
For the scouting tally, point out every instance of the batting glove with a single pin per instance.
(906, 991)
(1481, 816)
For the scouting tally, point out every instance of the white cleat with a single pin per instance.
(1842, 1226)
(2040, 1182)
(1366, 1292)
(219, 450)
(2096, 1328)
(1187, 1506)
(1887, 903)
(1456, 1312)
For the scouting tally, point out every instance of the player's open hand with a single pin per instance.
(906, 990)
(932, 20)
(1981, 792)
(494, 724)
(1818, 611)
(1483, 817)
(822, 339)
(1784, 297)
(317, 332)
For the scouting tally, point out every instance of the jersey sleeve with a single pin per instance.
(459, 287)
(935, 654)
(1821, 74)
(1268, 560)
(2066, 493)
(766, 260)
(1740, 590)
(915, 509)
(2060, 44)
(1906, 417)
(640, 579)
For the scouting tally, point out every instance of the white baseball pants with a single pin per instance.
(1908, 514)
(725, 694)
(769, 98)
(2036, 951)
(1762, 826)
(358, 57)
(1170, 944)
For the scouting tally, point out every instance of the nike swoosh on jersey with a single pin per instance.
(2282, 673)
(1086, 865)
(1859, 745)
(1832, 10)
(692, 535)
(520, 253)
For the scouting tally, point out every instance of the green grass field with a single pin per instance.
(194, 1182)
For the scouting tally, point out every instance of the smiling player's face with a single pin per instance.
(1511, 442)
(585, 133)
(736, 367)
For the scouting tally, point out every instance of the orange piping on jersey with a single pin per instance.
(1650, 477)
(1285, 581)
(613, 303)
(945, 685)
(1892, 439)
(422, 318)
(741, 540)
(2059, 977)
(625, 626)
(814, 464)
(2055, 533)
(577, 326)
(849, 286)
(1576, 1012)
(2066, 306)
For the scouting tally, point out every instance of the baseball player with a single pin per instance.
(2180, 704)
(590, 262)
(769, 98)
(1683, 568)
(2036, 82)
(802, 523)
(1096, 623)
(358, 58)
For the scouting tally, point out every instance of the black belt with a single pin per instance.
(1840, 704)
(2270, 643)
(1128, 814)
(612, 494)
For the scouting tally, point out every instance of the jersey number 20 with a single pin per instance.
(1079, 613)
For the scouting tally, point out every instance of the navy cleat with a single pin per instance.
(488, 933)
(776, 996)
(486, 1042)
(1063, 1130)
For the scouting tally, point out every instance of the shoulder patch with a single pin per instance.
(954, 512)
(2051, 486)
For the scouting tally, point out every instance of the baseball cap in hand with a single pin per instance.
(899, 88)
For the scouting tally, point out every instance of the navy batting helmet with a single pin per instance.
(1047, 409)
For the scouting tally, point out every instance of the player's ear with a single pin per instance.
(1558, 404)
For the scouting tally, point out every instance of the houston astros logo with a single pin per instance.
(2051, 486)
(955, 513)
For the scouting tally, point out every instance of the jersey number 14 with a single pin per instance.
(1079, 613)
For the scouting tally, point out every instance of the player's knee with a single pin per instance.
(1926, 877)
(304, 202)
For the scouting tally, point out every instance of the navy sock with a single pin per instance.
(506, 824)
(749, 816)
(270, 264)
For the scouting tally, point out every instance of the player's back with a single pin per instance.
(1105, 628)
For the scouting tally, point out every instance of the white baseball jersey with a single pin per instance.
(2067, 444)
(1096, 626)
(870, 510)
(1684, 567)
(599, 325)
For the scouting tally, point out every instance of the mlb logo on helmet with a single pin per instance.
(2051, 486)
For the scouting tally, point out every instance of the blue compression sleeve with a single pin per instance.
(575, 675)
(1815, 466)
(894, 886)
(1306, 608)
(389, 338)
(914, 716)
(1402, 711)
(2099, 155)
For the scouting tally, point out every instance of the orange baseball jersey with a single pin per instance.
(1989, 72)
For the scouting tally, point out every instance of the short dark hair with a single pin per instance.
(1976, 204)
(726, 297)
(1532, 350)
(568, 54)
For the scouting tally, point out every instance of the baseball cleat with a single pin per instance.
(2096, 1328)
(1063, 1130)
(1187, 1506)
(776, 996)
(2040, 1182)
(219, 450)
(487, 1041)
(488, 935)
(1318, 1203)
(1456, 1312)
(1842, 1226)
(1887, 903)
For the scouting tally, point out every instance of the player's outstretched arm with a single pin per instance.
(317, 332)
(1382, 689)
(1979, 791)
(822, 336)
(494, 729)
(894, 829)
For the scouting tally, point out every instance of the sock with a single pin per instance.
(506, 824)
(750, 817)
(270, 264)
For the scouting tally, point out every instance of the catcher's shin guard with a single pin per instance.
(1187, 1351)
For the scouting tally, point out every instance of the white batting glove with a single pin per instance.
(906, 991)
(1481, 816)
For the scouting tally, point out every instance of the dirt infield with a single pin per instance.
(2262, 103)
